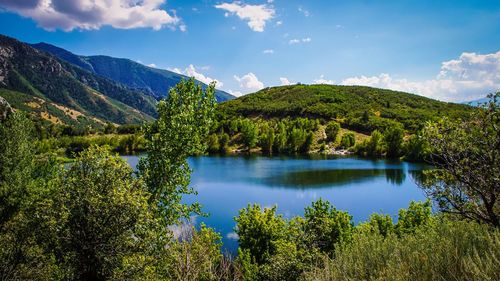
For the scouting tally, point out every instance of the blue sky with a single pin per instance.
(449, 50)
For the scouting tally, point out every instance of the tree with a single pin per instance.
(184, 119)
(213, 143)
(332, 130)
(393, 138)
(101, 219)
(250, 133)
(259, 230)
(266, 138)
(224, 143)
(16, 163)
(325, 226)
(348, 140)
(374, 146)
(466, 155)
(281, 138)
(416, 148)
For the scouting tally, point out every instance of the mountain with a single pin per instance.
(357, 107)
(156, 82)
(63, 93)
(478, 102)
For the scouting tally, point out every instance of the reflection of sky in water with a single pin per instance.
(359, 186)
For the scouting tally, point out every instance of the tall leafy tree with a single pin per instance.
(184, 119)
(467, 158)
(393, 138)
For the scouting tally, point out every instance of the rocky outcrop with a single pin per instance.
(5, 109)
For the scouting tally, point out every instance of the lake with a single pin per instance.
(359, 186)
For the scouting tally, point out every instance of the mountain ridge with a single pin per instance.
(43, 82)
(154, 81)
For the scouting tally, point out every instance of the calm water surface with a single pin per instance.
(359, 186)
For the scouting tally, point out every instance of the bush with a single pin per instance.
(449, 250)
(348, 140)
(332, 130)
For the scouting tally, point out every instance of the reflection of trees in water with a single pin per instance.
(418, 176)
(395, 176)
(335, 177)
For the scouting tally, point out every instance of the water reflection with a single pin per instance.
(327, 178)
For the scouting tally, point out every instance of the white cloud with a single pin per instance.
(298, 41)
(284, 81)
(93, 14)
(304, 12)
(235, 93)
(152, 65)
(192, 71)
(255, 15)
(469, 77)
(268, 51)
(322, 80)
(278, 23)
(249, 82)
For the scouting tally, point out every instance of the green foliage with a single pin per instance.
(259, 231)
(379, 224)
(224, 143)
(266, 139)
(449, 250)
(213, 143)
(104, 218)
(418, 215)
(416, 149)
(184, 119)
(348, 140)
(249, 132)
(332, 130)
(16, 163)
(466, 155)
(393, 138)
(325, 226)
(373, 147)
(197, 256)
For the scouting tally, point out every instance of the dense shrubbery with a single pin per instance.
(445, 250)
(324, 245)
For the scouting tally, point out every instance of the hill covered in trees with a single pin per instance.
(359, 108)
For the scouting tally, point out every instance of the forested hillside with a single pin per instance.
(356, 107)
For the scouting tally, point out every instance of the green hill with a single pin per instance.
(359, 108)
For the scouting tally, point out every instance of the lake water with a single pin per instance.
(359, 186)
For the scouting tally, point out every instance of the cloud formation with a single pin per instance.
(255, 15)
(192, 71)
(298, 41)
(322, 80)
(284, 81)
(268, 51)
(249, 82)
(469, 77)
(93, 14)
